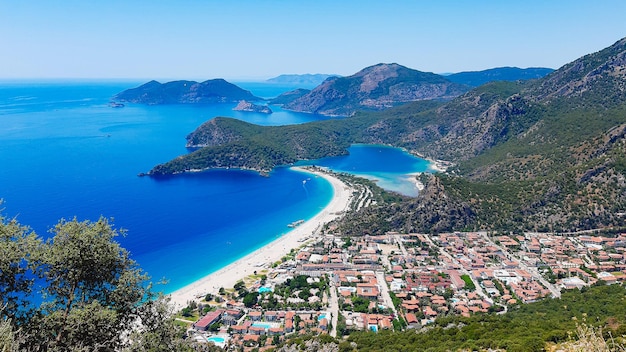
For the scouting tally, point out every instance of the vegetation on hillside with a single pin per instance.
(78, 291)
(528, 327)
(544, 155)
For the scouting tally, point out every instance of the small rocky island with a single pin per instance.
(245, 105)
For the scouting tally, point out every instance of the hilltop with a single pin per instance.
(185, 92)
(375, 88)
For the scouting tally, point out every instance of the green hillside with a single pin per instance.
(544, 155)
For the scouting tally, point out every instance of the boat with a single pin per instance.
(115, 104)
(296, 223)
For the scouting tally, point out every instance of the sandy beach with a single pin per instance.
(274, 251)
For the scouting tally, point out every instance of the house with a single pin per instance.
(208, 320)
(256, 330)
(271, 316)
(411, 319)
(239, 329)
(275, 331)
(367, 291)
(251, 338)
(289, 321)
(255, 315)
(323, 324)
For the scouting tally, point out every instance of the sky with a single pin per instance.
(259, 39)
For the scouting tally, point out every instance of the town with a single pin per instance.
(396, 281)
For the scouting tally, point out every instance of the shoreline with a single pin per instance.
(227, 276)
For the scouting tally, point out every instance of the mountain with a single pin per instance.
(290, 96)
(538, 155)
(546, 155)
(478, 78)
(185, 92)
(307, 80)
(375, 88)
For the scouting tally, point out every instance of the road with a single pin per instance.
(402, 248)
(384, 291)
(333, 307)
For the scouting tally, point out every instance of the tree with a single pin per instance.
(159, 333)
(18, 249)
(91, 296)
(90, 279)
(8, 341)
(251, 299)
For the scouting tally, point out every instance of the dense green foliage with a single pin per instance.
(78, 291)
(231, 143)
(529, 327)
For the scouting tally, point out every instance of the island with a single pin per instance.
(185, 92)
(245, 105)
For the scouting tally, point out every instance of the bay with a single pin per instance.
(64, 153)
(392, 169)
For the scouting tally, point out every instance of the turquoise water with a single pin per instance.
(391, 168)
(262, 325)
(216, 339)
(264, 289)
(65, 153)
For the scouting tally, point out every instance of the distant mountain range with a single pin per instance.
(544, 155)
(305, 80)
(185, 92)
(376, 87)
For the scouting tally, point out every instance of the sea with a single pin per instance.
(66, 153)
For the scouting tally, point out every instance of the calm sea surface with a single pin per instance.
(65, 153)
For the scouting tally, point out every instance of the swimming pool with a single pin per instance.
(265, 325)
(216, 339)
(264, 289)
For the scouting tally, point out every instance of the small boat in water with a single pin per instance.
(296, 223)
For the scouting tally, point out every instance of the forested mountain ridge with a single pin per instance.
(537, 155)
(478, 78)
(547, 155)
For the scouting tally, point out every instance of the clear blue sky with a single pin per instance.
(253, 39)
